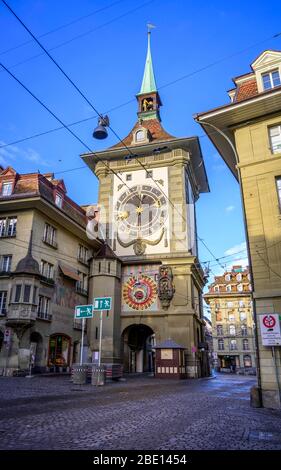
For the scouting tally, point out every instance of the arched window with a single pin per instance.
(228, 288)
(245, 344)
(233, 344)
(232, 330)
(221, 344)
(239, 277)
(240, 287)
(219, 330)
(140, 135)
(227, 277)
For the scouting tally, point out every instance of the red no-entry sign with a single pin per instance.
(269, 321)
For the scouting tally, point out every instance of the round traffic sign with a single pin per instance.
(269, 321)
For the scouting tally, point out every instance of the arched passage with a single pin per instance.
(138, 354)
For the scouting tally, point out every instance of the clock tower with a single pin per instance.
(148, 187)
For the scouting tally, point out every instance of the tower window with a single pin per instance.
(140, 135)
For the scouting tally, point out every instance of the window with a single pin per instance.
(8, 226)
(241, 303)
(34, 296)
(6, 262)
(216, 289)
(83, 254)
(244, 331)
(108, 268)
(58, 200)
(82, 284)
(149, 174)
(221, 344)
(129, 177)
(232, 330)
(7, 188)
(243, 316)
(228, 277)
(271, 79)
(231, 317)
(26, 293)
(245, 345)
(233, 344)
(47, 269)
(239, 277)
(240, 287)
(50, 234)
(278, 185)
(219, 330)
(229, 304)
(3, 302)
(228, 288)
(43, 308)
(218, 316)
(17, 293)
(140, 135)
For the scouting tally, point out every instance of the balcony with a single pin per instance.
(21, 314)
(44, 316)
(47, 280)
(77, 324)
(5, 273)
(81, 290)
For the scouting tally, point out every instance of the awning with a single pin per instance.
(69, 272)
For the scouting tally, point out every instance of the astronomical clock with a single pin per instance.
(141, 216)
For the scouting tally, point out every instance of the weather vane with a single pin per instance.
(150, 26)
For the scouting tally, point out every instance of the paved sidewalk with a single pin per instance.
(140, 413)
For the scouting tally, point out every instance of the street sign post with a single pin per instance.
(100, 304)
(83, 311)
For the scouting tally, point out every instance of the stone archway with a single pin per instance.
(138, 353)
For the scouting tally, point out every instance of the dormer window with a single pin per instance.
(58, 200)
(140, 135)
(271, 79)
(7, 188)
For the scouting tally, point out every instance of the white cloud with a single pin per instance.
(236, 249)
(229, 208)
(12, 152)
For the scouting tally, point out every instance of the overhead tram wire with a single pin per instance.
(65, 25)
(99, 114)
(79, 36)
(62, 123)
(112, 130)
(132, 100)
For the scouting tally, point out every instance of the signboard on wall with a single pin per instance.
(270, 329)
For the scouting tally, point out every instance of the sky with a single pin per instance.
(197, 47)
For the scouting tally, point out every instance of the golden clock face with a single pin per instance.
(141, 211)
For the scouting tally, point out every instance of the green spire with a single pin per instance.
(148, 82)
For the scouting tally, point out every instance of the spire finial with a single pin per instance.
(148, 81)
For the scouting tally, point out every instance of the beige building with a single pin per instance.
(148, 187)
(44, 271)
(247, 134)
(229, 298)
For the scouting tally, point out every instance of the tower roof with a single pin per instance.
(28, 265)
(148, 82)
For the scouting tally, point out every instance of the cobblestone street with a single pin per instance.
(139, 413)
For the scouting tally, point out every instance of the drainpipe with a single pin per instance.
(219, 131)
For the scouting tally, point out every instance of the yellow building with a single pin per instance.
(229, 298)
(247, 134)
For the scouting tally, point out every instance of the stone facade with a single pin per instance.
(37, 328)
(230, 302)
(249, 140)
